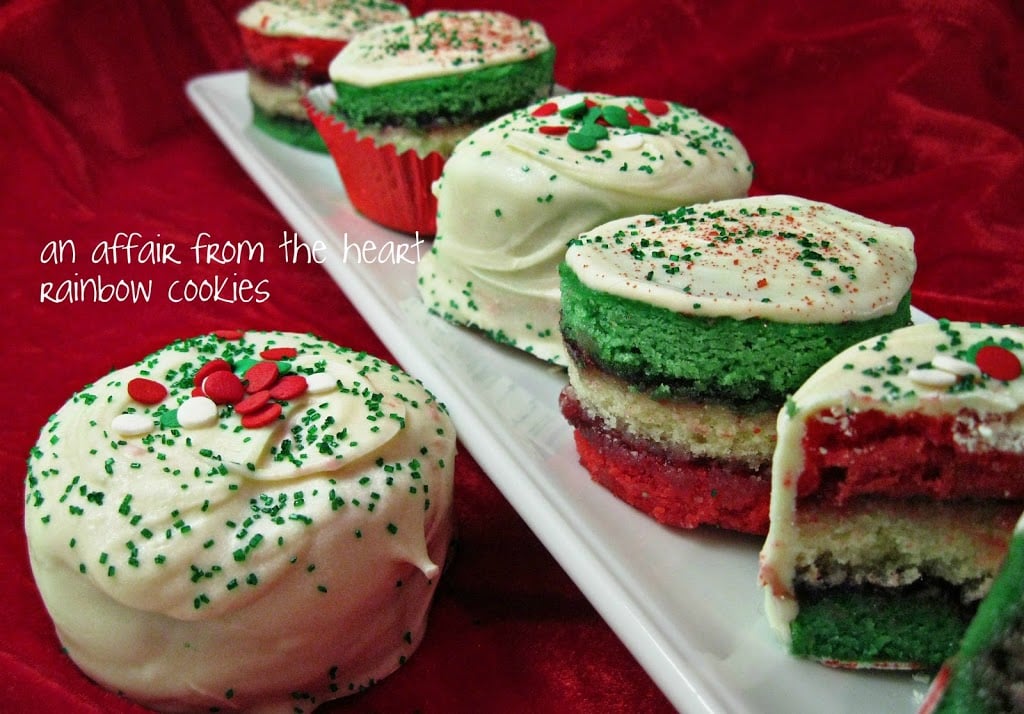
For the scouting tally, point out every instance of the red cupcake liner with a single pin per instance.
(390, 188)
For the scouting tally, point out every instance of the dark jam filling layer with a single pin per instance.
(915, 627)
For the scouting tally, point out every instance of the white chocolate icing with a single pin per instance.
(512, 197)
(327, 19)
(779, 258)
(437, 43)
(882, 374)
(225, 566)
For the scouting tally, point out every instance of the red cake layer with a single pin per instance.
(282, 59)
(672, 489)
(875, 453)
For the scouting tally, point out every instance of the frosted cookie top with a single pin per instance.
(327, 19)
(781, 258)
(935, 367)
(435, 44)
(518, 190)
(233, 453)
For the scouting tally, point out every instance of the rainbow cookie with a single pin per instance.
(897, 480)
(404, 93)
(687, 329)
(986, 676)
(288, 47)
(242, 521)
(517, 191)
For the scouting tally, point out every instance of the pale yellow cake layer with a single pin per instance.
(893, 543)
(693, 429)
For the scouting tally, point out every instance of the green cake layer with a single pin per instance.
(988, 671)
(921, 624)
(289, 130)
(475, 96)
(748, 363)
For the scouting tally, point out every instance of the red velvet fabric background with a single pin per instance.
(907, 111)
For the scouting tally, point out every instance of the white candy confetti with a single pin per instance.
(320, 383)
(627, 142)
(132, 424)
(932, 377)
(197, 412)
(955, 366)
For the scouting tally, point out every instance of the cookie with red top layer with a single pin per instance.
(288, 47)
(687, 329)
(897, 479)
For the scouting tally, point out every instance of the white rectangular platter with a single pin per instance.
(686, 604)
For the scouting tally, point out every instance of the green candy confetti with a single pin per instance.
(581, 142)
(616, 116)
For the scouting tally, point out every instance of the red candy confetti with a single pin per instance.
(198, 392)
(552, 130)
(545, 110)
(998, 362)
(656, 107)
(146, 391)
(276, 353)
(267, 415)
(590, 102)
(224, 387)
(289, 387)
(635, 117)
(260, 376)
(229, 334)
(253, 402)
(214, 365)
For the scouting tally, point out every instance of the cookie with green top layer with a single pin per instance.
(250, 521)
(288, 46)
(403, 94)
(687, 329)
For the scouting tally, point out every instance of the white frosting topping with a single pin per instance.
(780, 258)
(250, 556)
(326, 19)
(885, 374)
(435, 44)
(517, 191)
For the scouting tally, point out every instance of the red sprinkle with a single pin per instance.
(253, 402)
(146, 391)
(289, 387)
(276, 353)
(260, 376)
(267, 415)
(229, 334)
(214, 365)
(635, 117)
(224, 387)
(656, 107)
(545, 110)
(998, 362)
(553, 130)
